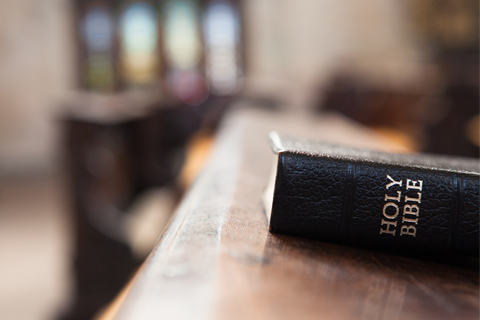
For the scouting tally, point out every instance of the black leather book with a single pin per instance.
(398, 202)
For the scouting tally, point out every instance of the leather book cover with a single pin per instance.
(403, 202)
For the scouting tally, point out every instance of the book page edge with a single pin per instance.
(269, 190)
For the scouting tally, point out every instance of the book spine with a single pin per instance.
(376, 205)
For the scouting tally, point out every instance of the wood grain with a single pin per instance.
(217, 260)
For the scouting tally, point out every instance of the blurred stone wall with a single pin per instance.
(298, 44)
(36, 68)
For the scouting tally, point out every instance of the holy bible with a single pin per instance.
(401, 202)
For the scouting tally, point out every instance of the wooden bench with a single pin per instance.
(217, 259)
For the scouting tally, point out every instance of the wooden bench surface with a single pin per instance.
(217, 260)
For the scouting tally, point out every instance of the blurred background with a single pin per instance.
(108, 110)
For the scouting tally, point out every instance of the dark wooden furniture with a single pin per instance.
(112, 155)
(217, 259)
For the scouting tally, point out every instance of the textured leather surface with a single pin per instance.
(337, 198)
(281, 142)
